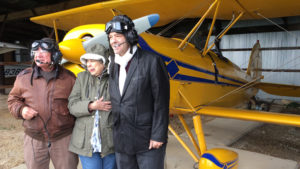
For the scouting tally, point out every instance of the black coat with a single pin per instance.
(142, 112)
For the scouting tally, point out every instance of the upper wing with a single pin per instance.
(168, 11)
(279, 89)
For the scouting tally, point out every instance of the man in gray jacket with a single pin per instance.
(139, 89)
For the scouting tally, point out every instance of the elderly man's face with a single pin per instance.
(43, 57)
(118, 43)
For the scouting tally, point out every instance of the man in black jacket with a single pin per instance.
(140, 91)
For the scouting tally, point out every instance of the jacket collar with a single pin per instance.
(37, 72)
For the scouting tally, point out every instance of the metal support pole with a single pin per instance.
(236, 19)
(183, 144)
(188, 131)
(199, 133)
(55, 30)
(196, 26)
(212, 26)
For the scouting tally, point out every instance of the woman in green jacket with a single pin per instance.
(89, 103)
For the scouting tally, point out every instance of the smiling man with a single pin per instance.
(40, 98)
(139, 89)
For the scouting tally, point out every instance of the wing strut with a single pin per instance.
(189, 133)
(224, 32)
(55, 30)
(197, 125)
(201, 149)
(212, 25)
(116, 12)
(197, 25)
(184, 145)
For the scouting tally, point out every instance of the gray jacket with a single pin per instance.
(85, 90)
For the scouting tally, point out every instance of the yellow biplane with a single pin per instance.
(202, 82)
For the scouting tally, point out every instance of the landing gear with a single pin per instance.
(255, 104)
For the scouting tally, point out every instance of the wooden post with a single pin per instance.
(2, 78)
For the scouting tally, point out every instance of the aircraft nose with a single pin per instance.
(72, 50)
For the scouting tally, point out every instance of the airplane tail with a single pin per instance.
(255, 62)
(254, 70)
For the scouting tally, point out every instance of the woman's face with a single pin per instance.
(95, 67)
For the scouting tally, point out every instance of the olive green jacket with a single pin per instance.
(86, 90)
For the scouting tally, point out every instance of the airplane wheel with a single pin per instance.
(265, 106)
(249, 105)
(252, 104)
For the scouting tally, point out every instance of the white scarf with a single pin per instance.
(123, 61)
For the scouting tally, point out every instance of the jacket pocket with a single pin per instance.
(107, 139)
(61, 117)
(78, 134)
(60, 106)
(34, 126)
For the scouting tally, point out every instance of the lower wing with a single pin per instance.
(251, 115)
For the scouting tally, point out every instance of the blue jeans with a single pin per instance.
(97, 162)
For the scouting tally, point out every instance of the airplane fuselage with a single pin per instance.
(204, 80)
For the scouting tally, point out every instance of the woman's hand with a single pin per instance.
(100, 105)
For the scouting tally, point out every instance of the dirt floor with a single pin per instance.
(11, 138)
(274, 140)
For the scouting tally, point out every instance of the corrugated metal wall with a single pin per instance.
(271, 59)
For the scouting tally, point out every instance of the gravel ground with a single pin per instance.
(275, 140)
(11, 138)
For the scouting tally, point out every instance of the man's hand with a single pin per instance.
(100, 105)
(28, 113)
(155, 144)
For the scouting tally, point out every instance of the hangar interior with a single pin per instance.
(16, 28)
(278, 38)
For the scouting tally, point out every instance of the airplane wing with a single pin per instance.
(168, 10)
(251, 115)
(279, 89)
(8, 47)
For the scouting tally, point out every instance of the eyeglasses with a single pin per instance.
(44, 45)
(116, 27)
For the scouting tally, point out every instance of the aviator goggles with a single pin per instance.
(116, 26)
(44, 45)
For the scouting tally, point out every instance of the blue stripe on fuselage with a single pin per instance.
(198, 79)
(145, 46)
